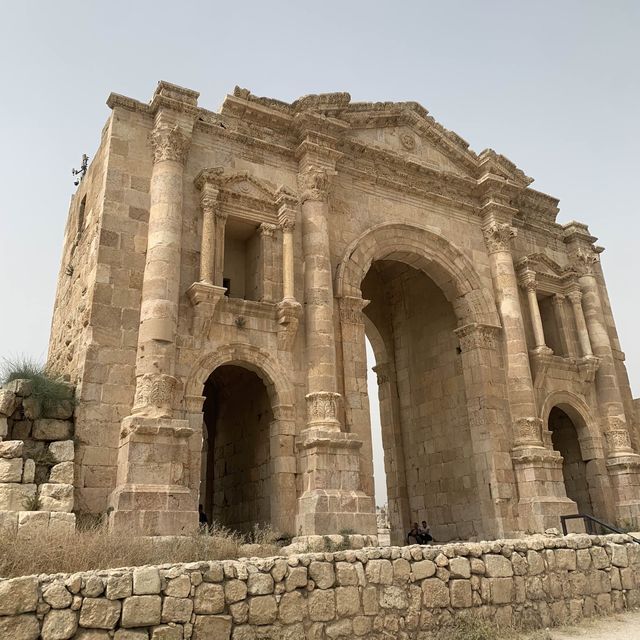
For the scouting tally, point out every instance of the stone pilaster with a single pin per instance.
(562, 325)
(575, 297)
(152, 495)
(623, 463)
(266, 272)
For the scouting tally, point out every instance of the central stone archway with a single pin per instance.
(468, 339)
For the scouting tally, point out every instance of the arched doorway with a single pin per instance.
(423, 404)
(236, 466)
(564, 437)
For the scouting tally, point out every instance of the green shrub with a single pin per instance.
(47, 386)
(32, 503)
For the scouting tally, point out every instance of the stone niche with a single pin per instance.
(36, 461)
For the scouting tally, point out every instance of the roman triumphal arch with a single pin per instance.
(226, 274)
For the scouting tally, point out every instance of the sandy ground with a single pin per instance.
(624, 626)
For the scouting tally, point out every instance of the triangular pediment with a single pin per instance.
(245, 184)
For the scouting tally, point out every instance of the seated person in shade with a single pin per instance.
(415, 534)
(425, 533)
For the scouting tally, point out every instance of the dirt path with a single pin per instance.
(624, 626)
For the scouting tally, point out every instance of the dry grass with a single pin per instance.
(96, 548)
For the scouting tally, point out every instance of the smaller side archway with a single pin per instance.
(574, 433)
(245, 472)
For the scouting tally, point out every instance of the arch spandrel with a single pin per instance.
(252, 358)
(424, 249)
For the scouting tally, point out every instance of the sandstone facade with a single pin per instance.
(371, 593)
(220, 274)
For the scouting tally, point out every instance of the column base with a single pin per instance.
(332, 502)
(543, 498)
(624, 471)
(152, 496)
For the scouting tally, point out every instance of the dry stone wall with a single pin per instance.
(371, 593)
(36, 461)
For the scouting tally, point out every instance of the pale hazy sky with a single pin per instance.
(552, 84)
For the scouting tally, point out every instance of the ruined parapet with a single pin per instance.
(36, 461)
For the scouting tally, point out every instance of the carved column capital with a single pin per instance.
(558, 300)
(384, 373)
(322, 409)
(351, 309)
(266, 230)
(154, 395)
(169, 143)
(209, 199)
(477, 336)
(313, 183)
(528, 280)
(287, 217)
(527, 433)
(617, 437)
(498, 235)
(575, 296)
(584, 261)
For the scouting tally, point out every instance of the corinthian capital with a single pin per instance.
(497, 236)
(584, 261)
(528, 280)
(169, 143)
(209, 199)
(313, 183)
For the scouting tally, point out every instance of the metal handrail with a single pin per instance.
(591, 520)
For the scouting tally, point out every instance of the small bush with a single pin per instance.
(32, 503)
(47, 386)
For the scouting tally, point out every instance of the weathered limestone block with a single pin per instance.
(18, 595)
(323, 574)
(13, 497)
(8, 524)
(235, 590)
(293, 608)
(566, 559)
(99, 613)
(263, 610)
(56, 497)
(48, 429)
(32, 408)
(57, 596)
(119, 587)
(11, 449)
(619, 556)
(178, 587)
(61, 473)
(32, 524)
(29, 471)
(379, 572)
(435, 593)
(62, 522)
(11, 469)
(599, 558)
(59, 624)
(22, 387)
(209, 598)
(59, 410)
(62, 451)
(24, 627)
(260, 584)
(296, 579)
(209, 627)
(461, 594)
(8, 402)
(4, 428)
(21, 429)
(92, 586)
(176, 609)
(146, 580)
(348, 601)
(141, 611)
(322, 605)
(497, 566)
(460, 568)
(392, 598)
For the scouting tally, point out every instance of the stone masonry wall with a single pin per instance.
(371, 593)
(36, 462)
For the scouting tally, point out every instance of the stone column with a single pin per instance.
(542, 497)
(322, 396)
(153, 495)
(209, 205)
(287, 220)
(561, 323)
(527, 426)
(267, 281)
(575, 297)
(528, 278)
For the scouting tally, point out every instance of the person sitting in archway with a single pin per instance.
(425, 533)
(415, 534)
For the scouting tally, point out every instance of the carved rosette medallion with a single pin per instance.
(154, 395)
(477, 336)
(169, 143)
(584, 261)
(498, 236)
(527, 432)
(322, 409)
(408, 141)
(313, 184)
